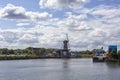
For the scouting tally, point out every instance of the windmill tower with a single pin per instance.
(65, 50)
(66, 43)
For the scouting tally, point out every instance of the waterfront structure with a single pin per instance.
(65, 51)
(41, 52)
(32, 50)
(99, 56)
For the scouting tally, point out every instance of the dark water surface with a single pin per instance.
(58, 69)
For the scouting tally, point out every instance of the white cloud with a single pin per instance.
(22, 24)
(75, 22)
(55, 4)
(35, 37)
(106, 11)
(92, 28)
(98, 27)
(16, 12)
(28, 39)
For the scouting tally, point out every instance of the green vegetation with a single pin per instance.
(28, 53)
(13, 57)
(114, 56)
(119, 54)
(87, 55)
(33, 53)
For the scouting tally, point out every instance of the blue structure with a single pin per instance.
(99, 51)
(112, 48)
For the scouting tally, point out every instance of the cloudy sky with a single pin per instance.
(43, 23)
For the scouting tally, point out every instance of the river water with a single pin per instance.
(58, 69)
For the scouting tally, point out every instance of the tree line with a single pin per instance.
(25, 51)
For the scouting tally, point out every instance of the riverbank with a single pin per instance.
(113, 60)
(20, 57)
(86, 55)
(17, 57)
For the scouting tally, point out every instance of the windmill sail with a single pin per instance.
(68, 41)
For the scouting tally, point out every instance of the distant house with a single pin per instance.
(32, 50)
(5, 52)
(58, 53)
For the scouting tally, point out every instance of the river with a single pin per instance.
(58, 69)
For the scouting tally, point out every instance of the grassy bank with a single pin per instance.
(87, 55)
(31, 56)
(17, 57)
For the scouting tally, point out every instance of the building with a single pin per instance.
(65, 51)
(41, 52)
(32, 50)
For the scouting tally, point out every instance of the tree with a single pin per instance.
(113, 54)
(11, 51)
(25, 51)
(88, 52)
(119, 54)
(51, 50)
(94, 51)
(43, 50)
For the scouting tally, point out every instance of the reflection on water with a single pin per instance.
(113, 64)
(58, 69)
(66, 63)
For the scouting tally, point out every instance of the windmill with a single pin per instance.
(68, 42)
(66, 47)
(64, 52)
